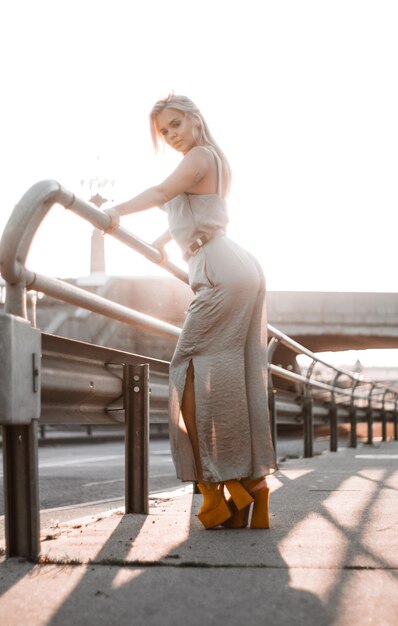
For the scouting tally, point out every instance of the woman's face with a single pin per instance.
(178, 129)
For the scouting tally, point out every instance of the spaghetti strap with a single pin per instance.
(219, 169)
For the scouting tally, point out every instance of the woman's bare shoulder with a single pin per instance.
(199, 152)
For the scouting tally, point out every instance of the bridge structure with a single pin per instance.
(45, 378)
(326, 321)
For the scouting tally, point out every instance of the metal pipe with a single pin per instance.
(102, 221)
(293, 376)
(79, 297)
(23, 224)
(300, 349)
(31, 211)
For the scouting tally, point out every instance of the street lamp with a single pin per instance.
(100, 190)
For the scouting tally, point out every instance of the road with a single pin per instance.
(91, 476)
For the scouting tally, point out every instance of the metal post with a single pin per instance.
(308, 414)
(16, 300)
(136, 402)
(384, 418)
(333, 425)
(353, 429)
(273, 416)
(33, 309)
(308, 425)
(20, 462)
(333, 416)
(396, 419)
(370, 417)
(21, 480)
(353, 416)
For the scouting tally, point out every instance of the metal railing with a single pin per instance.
(343, 396)
(94, 396)
(73, 382)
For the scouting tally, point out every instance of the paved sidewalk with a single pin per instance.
(330, 558)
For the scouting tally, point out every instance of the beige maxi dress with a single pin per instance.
(225, 337)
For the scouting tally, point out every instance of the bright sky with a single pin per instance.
(302, 95)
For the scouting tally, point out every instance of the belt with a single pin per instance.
(199, 242)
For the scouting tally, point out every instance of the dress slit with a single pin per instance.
(188, 413)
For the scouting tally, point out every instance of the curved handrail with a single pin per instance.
(23, 224)
(30, 212)
(18, 236)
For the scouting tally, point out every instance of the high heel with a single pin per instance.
(215, 510)
(259, 494)
(239, 495)
(239, 519)
(240, 502)
(260, 514)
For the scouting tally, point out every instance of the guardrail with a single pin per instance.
(345, 396)
(47, 389)
(70, 382)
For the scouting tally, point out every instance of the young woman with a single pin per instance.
(219, 425)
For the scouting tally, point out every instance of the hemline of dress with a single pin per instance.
(271, 470)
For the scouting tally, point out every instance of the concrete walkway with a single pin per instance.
(330, 558)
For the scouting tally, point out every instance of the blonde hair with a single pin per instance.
(205, 138)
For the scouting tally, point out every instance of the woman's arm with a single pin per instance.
(191, 170)
(161, 241)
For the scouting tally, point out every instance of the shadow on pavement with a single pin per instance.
(330, 558)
